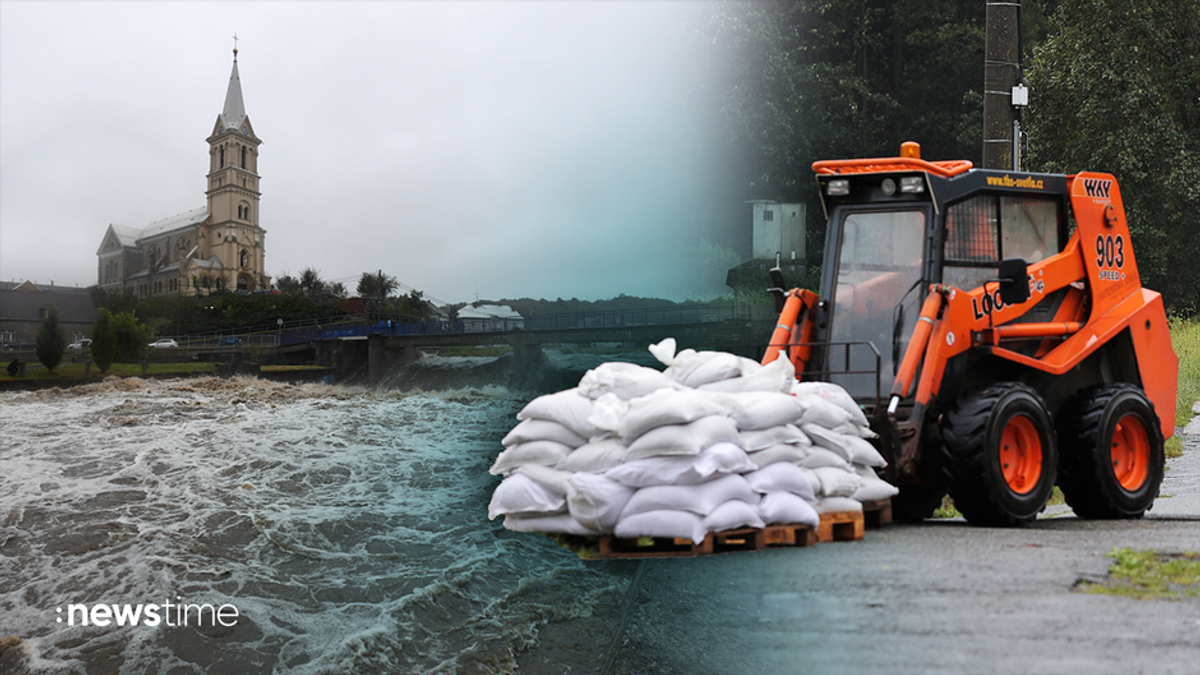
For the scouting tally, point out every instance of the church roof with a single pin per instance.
(128, 236)
(185, 219)
(234, 112)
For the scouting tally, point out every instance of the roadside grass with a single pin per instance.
(1185, 338)
(1149, 575)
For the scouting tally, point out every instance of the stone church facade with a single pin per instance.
(213, 248)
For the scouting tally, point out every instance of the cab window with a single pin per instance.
(983, 230)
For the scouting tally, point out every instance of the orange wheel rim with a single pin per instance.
(1021, 454)
(1130, 452)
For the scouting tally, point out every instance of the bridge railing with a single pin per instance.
(570, 320)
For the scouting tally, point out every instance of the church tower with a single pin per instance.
(232, 233)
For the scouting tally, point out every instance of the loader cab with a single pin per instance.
(892, 232)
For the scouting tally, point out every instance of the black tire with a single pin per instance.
(916, 503)
(1112, 464)
(1000, 454)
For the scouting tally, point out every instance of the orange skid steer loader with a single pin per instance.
(1021, 349)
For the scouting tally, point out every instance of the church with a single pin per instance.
(216, 247)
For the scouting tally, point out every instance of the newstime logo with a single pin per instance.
(167, 614)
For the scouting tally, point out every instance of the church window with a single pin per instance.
(222, 156)
(243, 156)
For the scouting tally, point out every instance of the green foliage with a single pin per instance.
(1150, 575)
(104, 340)
(1185, 338)
(132, 337)
(1114, 90)
(51, 342)
(531, 307)
(374, 289)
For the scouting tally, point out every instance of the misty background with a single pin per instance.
(499, 149)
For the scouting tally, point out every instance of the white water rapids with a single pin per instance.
(348, 527)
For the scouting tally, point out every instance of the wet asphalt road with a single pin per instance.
(941, 597)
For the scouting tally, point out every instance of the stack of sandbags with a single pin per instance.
(714, 442)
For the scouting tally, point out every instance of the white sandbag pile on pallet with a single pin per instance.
(712, 443)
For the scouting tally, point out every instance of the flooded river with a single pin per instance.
(346, 528)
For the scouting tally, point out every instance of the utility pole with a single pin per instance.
(1001, 73)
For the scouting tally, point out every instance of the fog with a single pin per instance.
(493, 149)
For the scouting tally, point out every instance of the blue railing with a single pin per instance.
(603, 319)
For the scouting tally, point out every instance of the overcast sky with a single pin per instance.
(526, 149)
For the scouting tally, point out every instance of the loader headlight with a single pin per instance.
(838, 188)
(912, 184)
(889, 187)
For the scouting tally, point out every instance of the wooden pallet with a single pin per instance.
(841, 526)
(877, 513)
(747, 539)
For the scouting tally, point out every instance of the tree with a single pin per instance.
(1114, 90)
(132, 338)
(104, 340)
(375, 289)
(288, 284)
(51, 342)
(311, 283)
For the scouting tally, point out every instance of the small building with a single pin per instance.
(24, 306)
(779, 239)
(480, 316)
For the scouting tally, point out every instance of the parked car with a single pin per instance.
(165, 343)
(80, 345)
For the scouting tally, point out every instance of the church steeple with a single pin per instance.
(234, 112)
(233, 232)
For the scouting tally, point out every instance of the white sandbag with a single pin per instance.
(781, 477)
(555, 524)
(838, 505)
(782, 452)
(822, 413)
(607, 413)
(834, 394)
(692, 368)
(837, 482)
(521, 494)
(625, 380)
(776, 376)
(856, 450)
(546, 453)
(786, 508)
(699, 499)
(568, 407)
(596, 456)
(596, 501)
(666, 406)
(723, 457)
(662, 524)
(715, 460)
(664, 351)
(542, 430)
(862, 452)
(760, 409)
(761, 439)
(852, 429)
(732, 515)
(555, 480)
(819, 457)
(874, 488)
(683, 439)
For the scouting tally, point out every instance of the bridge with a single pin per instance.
(742, 336)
